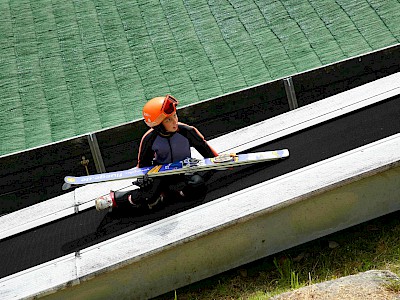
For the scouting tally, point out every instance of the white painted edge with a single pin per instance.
(191, 224)
(237, 141)
(36, 215)
(55, 273)
(308, 115)
(56, 208)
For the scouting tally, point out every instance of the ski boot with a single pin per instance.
(106, 201)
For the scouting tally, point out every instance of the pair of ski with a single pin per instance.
(187, 166)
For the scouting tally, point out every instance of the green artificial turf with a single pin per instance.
(72, 67)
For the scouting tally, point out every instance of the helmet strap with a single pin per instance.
(160, 129)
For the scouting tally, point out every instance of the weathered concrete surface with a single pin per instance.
(375, 284)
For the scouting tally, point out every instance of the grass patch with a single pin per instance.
(370, 245)
(392, 286)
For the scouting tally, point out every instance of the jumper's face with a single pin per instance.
(171, 123)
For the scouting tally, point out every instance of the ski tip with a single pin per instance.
(69, 179)
(283, 153)
(66, 186)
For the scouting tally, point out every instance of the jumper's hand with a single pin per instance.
(143, 182)
(226, 157)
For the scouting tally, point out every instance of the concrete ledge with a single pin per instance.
(256, 222)
(238, 141)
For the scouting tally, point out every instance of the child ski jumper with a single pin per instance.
(167, 141)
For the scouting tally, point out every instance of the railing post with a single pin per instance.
(290, 93)
(96, 154)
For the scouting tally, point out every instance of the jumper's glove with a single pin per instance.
(144, 182)
(226, 157)
(196, 181)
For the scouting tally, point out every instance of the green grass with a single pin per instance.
(392, 285)
(371, 245)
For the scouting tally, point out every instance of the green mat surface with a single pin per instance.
(76, 66)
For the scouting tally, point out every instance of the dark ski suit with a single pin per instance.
(159, 147)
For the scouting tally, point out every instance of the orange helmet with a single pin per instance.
(159, 108)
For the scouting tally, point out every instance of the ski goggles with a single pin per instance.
(167, 109)
(169, 105)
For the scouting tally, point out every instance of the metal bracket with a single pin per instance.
(191, 162)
